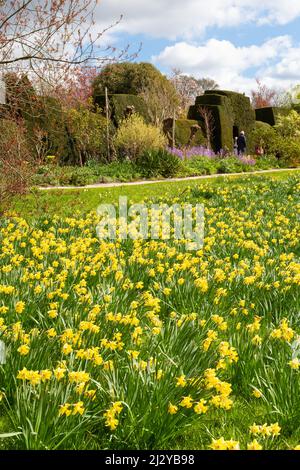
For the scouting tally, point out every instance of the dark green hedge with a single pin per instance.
(223, 128)
(210, 99)
(266, 115)
(118, 105)
(183, 133)
(243, 115)
(47, 115)
(229, 109)
(192, 113)
(270, 114)
(222, 121)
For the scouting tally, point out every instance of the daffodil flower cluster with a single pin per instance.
(131, 342)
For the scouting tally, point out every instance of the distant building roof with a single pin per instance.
(2, 92)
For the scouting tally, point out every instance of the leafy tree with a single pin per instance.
(161, 101)
(289, 126)
(263, 96)
(139, 79)
(127, 77)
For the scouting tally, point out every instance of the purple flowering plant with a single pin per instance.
(247, 160)
(187, 153)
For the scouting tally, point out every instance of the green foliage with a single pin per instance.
(183, 133)
(228, 109)
(222, 119)
(161, 100)
(282, 139)
(211, 99)
(262, 126)
(81, 177)
(92, 173)
(127, 78)
(222, 123)
(134, 137)
(201, 166)
(289, 126)
(118, 105)
(242, 113)
(88, 130)
(148, 166)
(223, 136)
(296, 107)
(118, 171)
(238, 112)
(204, 166)
(263, 136)
(43, 118)
(46, 126)
(287, 151)
(286, 143)
(193, 114)
(233, 165)
(155, 163)
(141, 79)
(265, 162)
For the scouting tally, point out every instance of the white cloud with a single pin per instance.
(275, 61)
(185, 23)
(189, 19)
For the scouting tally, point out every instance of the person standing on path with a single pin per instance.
(235, 146)
(241, 142)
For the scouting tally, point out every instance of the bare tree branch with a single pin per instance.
(209, 124)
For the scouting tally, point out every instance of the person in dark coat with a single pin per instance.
(241, 142)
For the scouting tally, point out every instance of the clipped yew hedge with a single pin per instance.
(118, 105)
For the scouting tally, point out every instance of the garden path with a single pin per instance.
(167, 180)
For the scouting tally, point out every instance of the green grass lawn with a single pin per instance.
(66, 202)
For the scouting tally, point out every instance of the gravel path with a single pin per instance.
(170, 180)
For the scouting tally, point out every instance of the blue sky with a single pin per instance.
(231, 41)
(244, 36)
